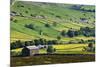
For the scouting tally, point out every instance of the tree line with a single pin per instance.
(84, 31)
(36, 42)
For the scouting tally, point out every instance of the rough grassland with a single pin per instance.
(50, 59)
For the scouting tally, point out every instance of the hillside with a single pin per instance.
(31, 20)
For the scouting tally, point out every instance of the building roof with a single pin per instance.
(32, 47)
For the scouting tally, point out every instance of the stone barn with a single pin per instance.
(30, 51)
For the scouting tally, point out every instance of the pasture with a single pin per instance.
(61, 49)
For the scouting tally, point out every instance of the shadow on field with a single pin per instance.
(41, 59)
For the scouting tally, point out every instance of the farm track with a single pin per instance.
(41, 59)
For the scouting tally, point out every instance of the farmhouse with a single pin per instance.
(30, 50)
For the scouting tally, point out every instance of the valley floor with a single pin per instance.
(42, 59)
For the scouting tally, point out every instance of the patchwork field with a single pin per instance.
(65, 16)
(60, 49)
(67, 28)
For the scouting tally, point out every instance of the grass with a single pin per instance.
(63, 49)
(50, 11)
(67, 18)
(50, 59)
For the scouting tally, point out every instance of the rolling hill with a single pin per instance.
(49, 19)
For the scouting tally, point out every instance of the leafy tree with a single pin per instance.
(16, 44)
(45, 42)
(15, 21)
(25, 51)
(58, 17)
(40, 32)
(86, 31)
(26, 11)
(47, 25)
(70, 33)
(89, 48)
(30, 26)
(76, 33)
(90, 45)
(49, 42)
(27, 43)
(63, 33)
(54, 42)
(41, 41)
(58, 37)
(31, 43)
(36, 42)
(50, 49)
(13, 45)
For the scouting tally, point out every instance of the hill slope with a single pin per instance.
(31, 20)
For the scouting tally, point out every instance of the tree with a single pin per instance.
(26, 11)
(41, 41)
(19, 44)
(16, 44)
(25, 51)
(27, 43)
(90, 45)
(36, 42)
(86, 31)
(50, 49)
(47, 25)
(49, 42)
(30, 26)
(63, 33)
(15, 21)
(31, 43)
(45, 42)
(54, 42)
(40, 32)
(58, 17)
(76, 33)
(13, 45)
(70, 33)
(58, 37)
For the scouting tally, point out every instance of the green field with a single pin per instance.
(41, 23)
(63, 14)
(62, 49)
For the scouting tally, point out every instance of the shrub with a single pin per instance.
(30, 26)
(26, 11)
(89, 48)
(50, 49)
(25, 51)
(36, 42)
(47, 25)
(15, 21)
(63, 33)
(90, 45)
(58, 37)
(58, 17)
(70, 33)
(16, 44)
